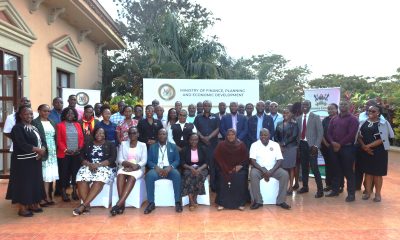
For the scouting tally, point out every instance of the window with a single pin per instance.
(63, 81)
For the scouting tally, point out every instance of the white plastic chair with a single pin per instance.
(164, 193)
(201, 199)
(137, 196)
(269, 190)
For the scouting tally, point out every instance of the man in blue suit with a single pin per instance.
(258, 122)
(163, 161)
(235, 121)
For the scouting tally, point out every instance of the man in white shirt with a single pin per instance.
(266, 158)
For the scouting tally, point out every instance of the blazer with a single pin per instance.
(287, 136)
(141, 153)
(241, 125)
(109, 153)
(177, 133)
(38, 124)
(385, 131)
(267, 123)
(186, 156)
(172, 153)
(314, 132)
(61, 134)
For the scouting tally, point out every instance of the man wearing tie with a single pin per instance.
(310, 139)
(235, 121)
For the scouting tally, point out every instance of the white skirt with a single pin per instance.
(136, 174)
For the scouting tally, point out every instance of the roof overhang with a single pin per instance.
(92, 21)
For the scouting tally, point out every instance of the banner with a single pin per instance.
(320, 98)
(191, 91)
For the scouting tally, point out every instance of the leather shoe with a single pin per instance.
(255, 206)
(303, 190)
(25, 213)
(332, 194)
(319, 194)
(178, 207)
(149, 208)
(327, 188)
(340, 190)
(350, 198)
(284, 205)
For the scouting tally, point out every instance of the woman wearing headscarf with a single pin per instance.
(373, 137)
(232, 161)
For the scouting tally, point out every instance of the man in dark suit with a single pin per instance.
(258, 122)
(235, 121)
(310, 137)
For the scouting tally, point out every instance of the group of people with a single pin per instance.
(88, 148)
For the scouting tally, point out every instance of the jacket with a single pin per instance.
(172, 153)
(62, 138)
(38, 124)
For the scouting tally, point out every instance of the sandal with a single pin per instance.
(77, 211)
(192, 207)
(241, 208)
(377, 198)
(220, 208)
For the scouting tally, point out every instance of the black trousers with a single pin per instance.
(328, 165)
(69, 168)
(342, 165)
(307, 161)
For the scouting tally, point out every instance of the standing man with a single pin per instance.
(163, 161)
(199, 108)
(234, 120)
(266, 159)
(178, 107)
(220, 114)
(267, 103)
(341, 135)
(192, 113)
(207, 126)
(249, 110)
(55, 113)
(259, 121)
(118, 116)
(97, 111)
(311, 133)
(273, 112)
(72, 103)
(241, 109)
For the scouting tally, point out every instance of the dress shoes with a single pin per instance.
(340, 190)
(350, 198)
(25, 213)
(150, 208)
(327, 188)
(255, 206)
(178, 207)
(319, 194)
(332, 194)
(303, 190)
(283, 205)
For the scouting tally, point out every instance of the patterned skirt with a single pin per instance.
(102, 174)
(193, 184)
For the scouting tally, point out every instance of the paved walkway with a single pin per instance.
(310, 218)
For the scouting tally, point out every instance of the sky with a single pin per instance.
(350, 37)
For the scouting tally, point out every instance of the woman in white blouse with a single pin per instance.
(132, 159)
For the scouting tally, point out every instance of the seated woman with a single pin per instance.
(132, 159)
(232, 162)
(195, 171)
(98, 162)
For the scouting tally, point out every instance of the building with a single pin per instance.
(46, 45)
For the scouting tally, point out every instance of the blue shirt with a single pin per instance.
(110, 130)
(55, 116)
(206, 125)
